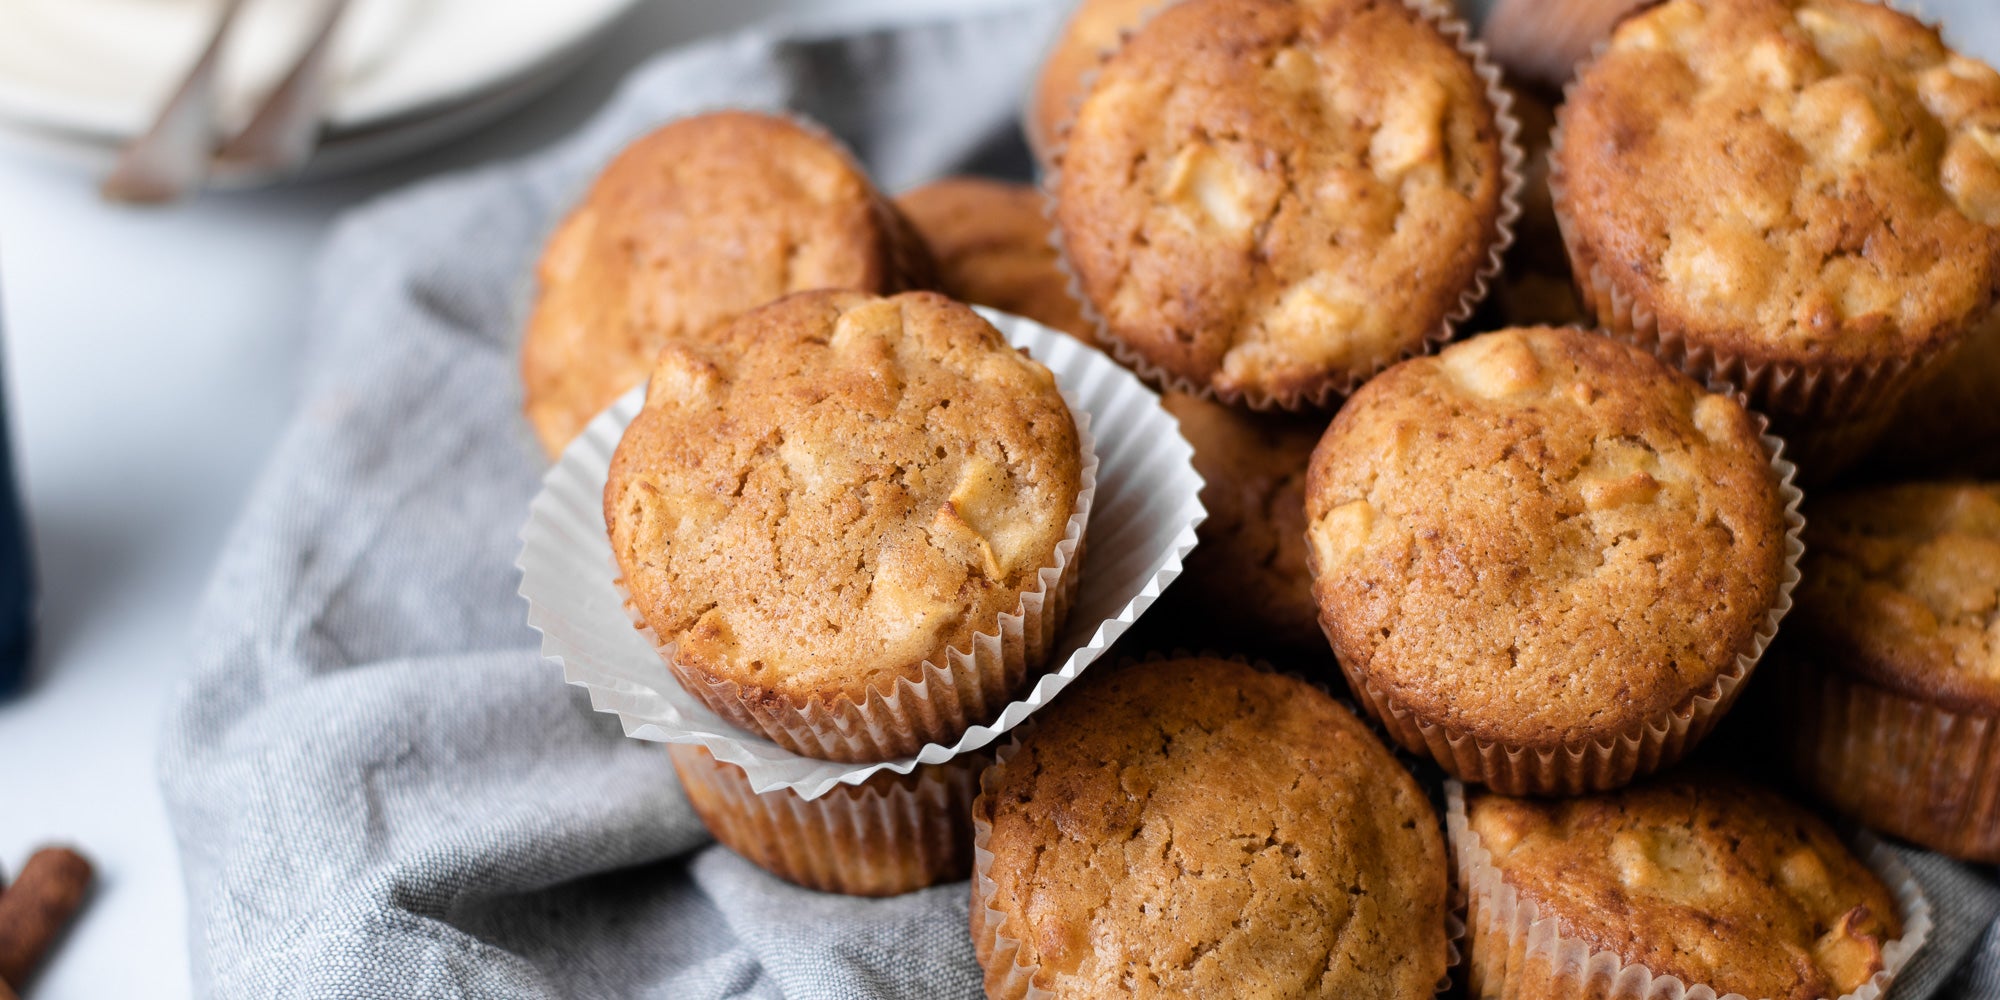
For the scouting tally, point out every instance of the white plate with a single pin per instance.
(100, 68)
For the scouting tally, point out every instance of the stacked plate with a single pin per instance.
(79, 77)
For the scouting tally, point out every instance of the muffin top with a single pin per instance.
(1273, 199)
(992, 246)
(1252, 838)
(1541, 536)
(1710, 880)
(1807, 181)
(830, 490)
(691, 225)
(1093, 28)
(1902, 587)
(1250, 568)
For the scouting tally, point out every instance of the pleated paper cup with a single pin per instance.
(1917, 769)
(1516, 953)
(929, 702)
(1143, 517)
(1330, 391)
(1798, 396)
(891, 834)
(1600, 763)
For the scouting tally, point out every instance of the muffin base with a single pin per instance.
(889, 835)
(1010, 976)
(1903, 766)
(902, 714)
(1600, 763)
(1517, 954)
(1335, 386)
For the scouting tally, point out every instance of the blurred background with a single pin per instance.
(151, 352)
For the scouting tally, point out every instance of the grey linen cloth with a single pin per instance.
(378, 785)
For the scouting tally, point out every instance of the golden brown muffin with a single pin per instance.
(1542, 540)
(1248, 579)
(1789, 188)
(1704, 878)
(1251, 838)
(699, 221)
(827, 493)
(1094, 28)
(992, 246)
(891, 834)
(1895, 655)
(1270, 201)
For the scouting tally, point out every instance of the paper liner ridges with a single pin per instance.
(1517, 954)
(1142, 525)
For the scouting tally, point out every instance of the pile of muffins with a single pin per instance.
(1503, 399)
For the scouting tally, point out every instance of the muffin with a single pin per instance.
(1253, 838)
(1247, 580)
(1702, 878)
(992, 247)
(891, 834)
(1893, 663)
(1546, 559)
(1268, 201)
(1797, 197)
(704, 219)
(851, 523)
(1094, 28)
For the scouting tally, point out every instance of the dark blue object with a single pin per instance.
(17, 570)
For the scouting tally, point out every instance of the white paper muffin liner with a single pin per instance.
(900, 715)
(1338, 387)
(891, 834)
(1601, 763)
(1902, 765)
(1009, 974)
(1795, 395)
(1517, 954)
(1143, 524)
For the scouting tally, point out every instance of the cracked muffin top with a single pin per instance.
(1541, 536)
(1902, 588)
(1273, 199)
(992, 246)
(830, 490)
(1808, 181)
(1093, 29)
(1249, 571)
(703, 219)
(1198, 827)
(1712, 881)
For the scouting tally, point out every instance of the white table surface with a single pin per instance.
(151, 357)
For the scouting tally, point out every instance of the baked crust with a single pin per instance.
(1901, 588)
(991, 241)
(690, 226)
(1094, 28)
(1705, 878)
(1271, 199)
(828, 491)
(1198, 827)
(1802, 182)
(1541, 537)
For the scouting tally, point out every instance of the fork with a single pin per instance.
(285, 130)
(172, 155)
